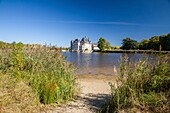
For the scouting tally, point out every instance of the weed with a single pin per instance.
(46, 72)
(143, 85)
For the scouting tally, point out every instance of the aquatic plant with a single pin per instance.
(44, 70)
(141, 86)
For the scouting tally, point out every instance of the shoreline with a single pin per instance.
(134, 51)
(96, 77)
(94, 93)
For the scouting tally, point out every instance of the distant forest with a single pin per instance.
(154, 43)
(4, 45)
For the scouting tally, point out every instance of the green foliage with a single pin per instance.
(17, 60)
(103, 44)
(115, 47)
(144, 44)
(129, 44)
(143, 85)
(56, 82)
(17, 96)
(108, 45)
(153, 99)
(165, 42)
(4, 45)
(1, 44)
(154, 43)
(66, 48)
(44, 70)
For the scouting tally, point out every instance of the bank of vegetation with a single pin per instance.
(32, 75)
(141, 87)
(134, 51)
(155, 43)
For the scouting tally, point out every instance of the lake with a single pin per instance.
(99, 63)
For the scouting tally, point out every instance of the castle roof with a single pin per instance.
(85, 40)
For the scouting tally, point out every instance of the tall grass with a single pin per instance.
(16, 96)
(143, 86)
(44, 70)
(52, 76)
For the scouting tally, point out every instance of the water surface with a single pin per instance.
(99, 63)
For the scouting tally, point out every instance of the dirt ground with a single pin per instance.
(94, 92)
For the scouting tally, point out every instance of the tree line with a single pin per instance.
(5, 45)
(158, 43)
(154, 43)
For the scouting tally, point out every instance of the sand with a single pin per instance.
(94, 93)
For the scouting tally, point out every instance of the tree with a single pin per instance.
(102, 44)
(165, 42)
(144, 44)
(108, 45)
(154, 43)
(128, 44)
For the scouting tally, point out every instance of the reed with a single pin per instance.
(17, 96)
(45, 71)
(142, 86)
(52, 76)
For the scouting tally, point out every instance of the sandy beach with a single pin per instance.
(94, 92)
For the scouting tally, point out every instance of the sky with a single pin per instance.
(57, 22)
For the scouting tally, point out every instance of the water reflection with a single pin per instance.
(99, 63)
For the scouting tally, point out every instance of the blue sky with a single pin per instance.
(60, 21)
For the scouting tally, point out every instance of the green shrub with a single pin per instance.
(143, 85)
(52, 77)
(153, 99)
(46, 71)
(16, 96)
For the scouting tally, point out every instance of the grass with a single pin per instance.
(34, 73)
(141, 87)
(16, 96)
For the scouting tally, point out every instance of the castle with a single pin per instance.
(84, 45)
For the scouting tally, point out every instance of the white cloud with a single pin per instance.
(89, 22)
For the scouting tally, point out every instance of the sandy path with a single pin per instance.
(94, 92)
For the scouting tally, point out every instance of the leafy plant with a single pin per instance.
(45, 71)
(143, 85)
